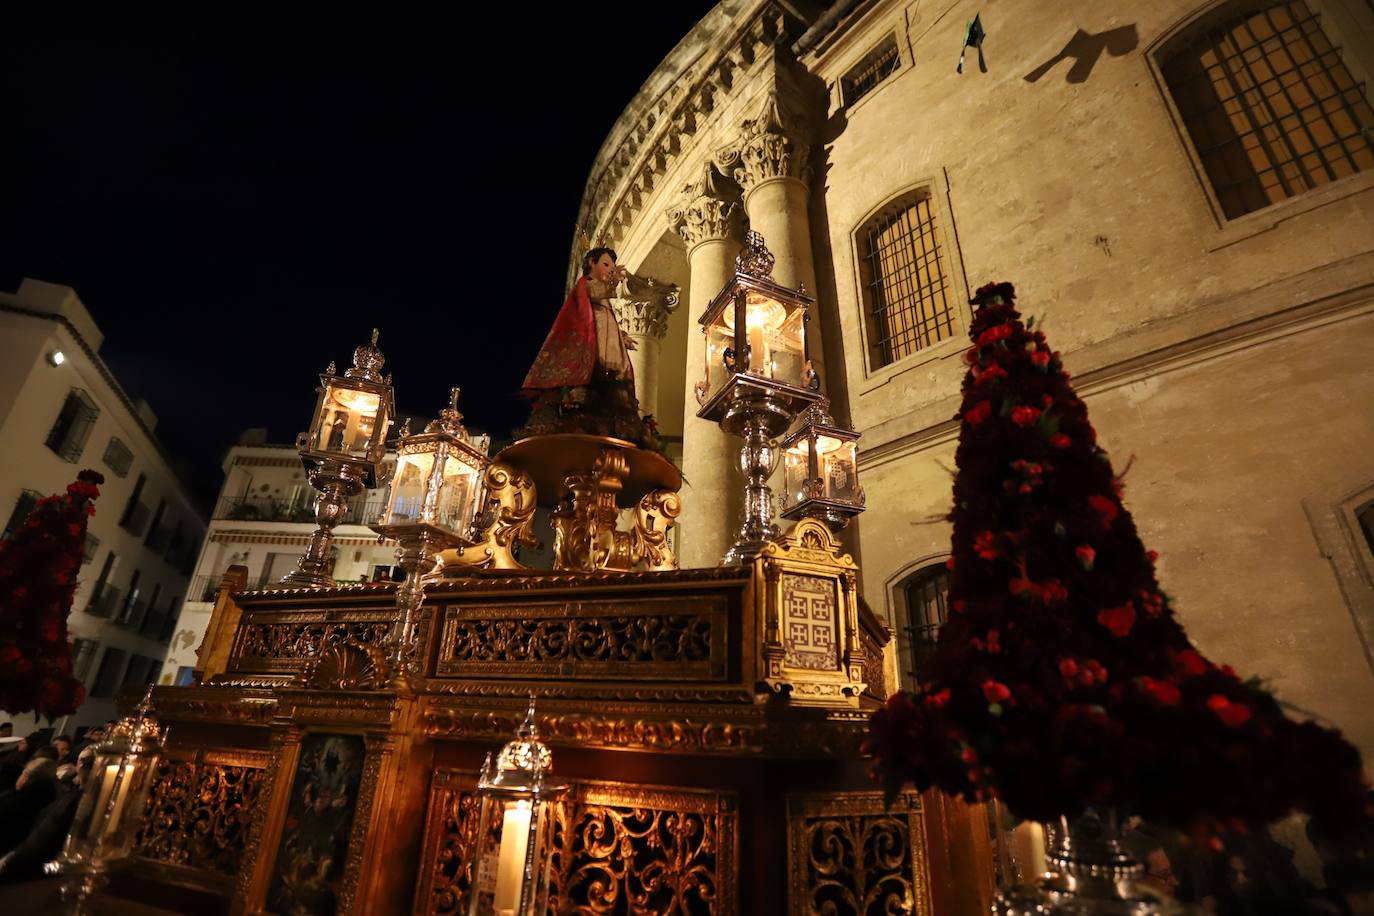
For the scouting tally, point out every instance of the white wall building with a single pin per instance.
(263, 520)
(61, 410)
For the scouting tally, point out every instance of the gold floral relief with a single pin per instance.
(615, 849)
(283, 640)
(199, 811)
(848, 854)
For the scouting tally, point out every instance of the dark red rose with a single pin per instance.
(1105, 507)
(1025, 416)
(1118, 619)
(1231, 714)
(985, 545)
(991, 374)
(1068, 668)
(996, 692)
(1086, 555)
(1190, 663)
(1041, 358)
(978, 413)
(1059, 440)
(1162, 691)
(994, 334)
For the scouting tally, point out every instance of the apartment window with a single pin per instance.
(905, 284)
(91, 546)
(83, 653)
(926, 596)
(876, 66)
(73, 427)
(148, 619)
(1270, 106)
(1365, 514)
(126, 611)
(108, 675)
(135, 516)
(118, 458)
(169, 622)
(158, 536)
(22, 507)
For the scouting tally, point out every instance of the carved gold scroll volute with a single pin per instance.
(506, 521)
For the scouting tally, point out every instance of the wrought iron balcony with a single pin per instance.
(105, 602)
(135, 519)
(299, 509)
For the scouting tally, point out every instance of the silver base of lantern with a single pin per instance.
(337, 484)
(1090, 874)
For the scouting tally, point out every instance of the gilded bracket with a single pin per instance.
(506, 522)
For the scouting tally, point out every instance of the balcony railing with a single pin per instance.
(104, 604)
(203, 588)
(298, 509)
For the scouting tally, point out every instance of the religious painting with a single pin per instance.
(308, 873)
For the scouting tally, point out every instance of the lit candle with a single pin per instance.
(510, 867)
(1037, 848)
(107, 787)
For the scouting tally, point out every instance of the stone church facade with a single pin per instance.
(1182, 192)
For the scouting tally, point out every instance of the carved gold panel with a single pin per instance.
(678, 638)
(810, 622)
(199, 810)
(617, 848)
(848, 854)
(274, 641)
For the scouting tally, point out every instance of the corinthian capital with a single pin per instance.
(646, 305)
(771, 145)
(710, 208)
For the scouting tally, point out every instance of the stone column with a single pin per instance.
(643, 315)
(708, 219)
(770, 163)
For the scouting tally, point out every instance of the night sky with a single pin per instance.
(239, 197)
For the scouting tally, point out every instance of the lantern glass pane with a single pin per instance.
(408, 488)
(794, 474)
(840, 472)
(454, 507)
(109, 814)
(348, 418)
(718, 340)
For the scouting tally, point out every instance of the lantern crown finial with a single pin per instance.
(450, 418)
(525, 752)
(818, 414)
(368, 361)
(755, 258)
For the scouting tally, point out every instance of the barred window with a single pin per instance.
(22, 507)
(73, 427)
(926, 596)
(118, 458)
(876, 66)
(1270, 106)
(108, 675)
(905, 283)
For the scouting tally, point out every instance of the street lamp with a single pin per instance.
(759, 376)
(512, 859)
(821, 470)
(435, 491)
(343, 451)
(113, 796)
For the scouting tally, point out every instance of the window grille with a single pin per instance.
(905, 284)
(1269, 105)
(927, 608)
(73, 427)
(22, 507)
(118, 458)
(876, 66)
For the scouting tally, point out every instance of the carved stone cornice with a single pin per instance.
(661, 124)
(710, 209)
(772, 145)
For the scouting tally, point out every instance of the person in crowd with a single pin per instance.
(45, 841)
(12, 764)
(33, 791)
(63, 745)
(6, 729)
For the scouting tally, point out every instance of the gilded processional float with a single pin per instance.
(613, 735)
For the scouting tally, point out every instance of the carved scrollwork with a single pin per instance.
(615, 849)
(851, 855)
(282, 641)
(344, 666)
(506, 523)
(656, 514)
(199, 813)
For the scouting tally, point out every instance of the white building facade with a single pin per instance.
(263, 520)
(62, 410)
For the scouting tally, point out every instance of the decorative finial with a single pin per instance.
(331, 369)
(450, 418)
(818, 414)
(404, 432)
(387, 380)
(755, 258)
(367, 361)
(376, 333)
(453, 397)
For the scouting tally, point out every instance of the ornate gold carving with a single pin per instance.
(663, 638)
(710, 208)
(656, 513)
(283, 640)
(199, 811)
(506, 522)
(584, 523)
(344, 666)
(848, 853)
(616, 848)
(591, 730)
(252, 848)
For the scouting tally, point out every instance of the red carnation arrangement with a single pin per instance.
(39, 564)
(1062, 679)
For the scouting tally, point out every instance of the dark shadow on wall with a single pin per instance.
(1084, 48)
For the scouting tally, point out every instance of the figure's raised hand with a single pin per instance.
(628, 340)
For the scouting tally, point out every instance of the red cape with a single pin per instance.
(569, 352)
